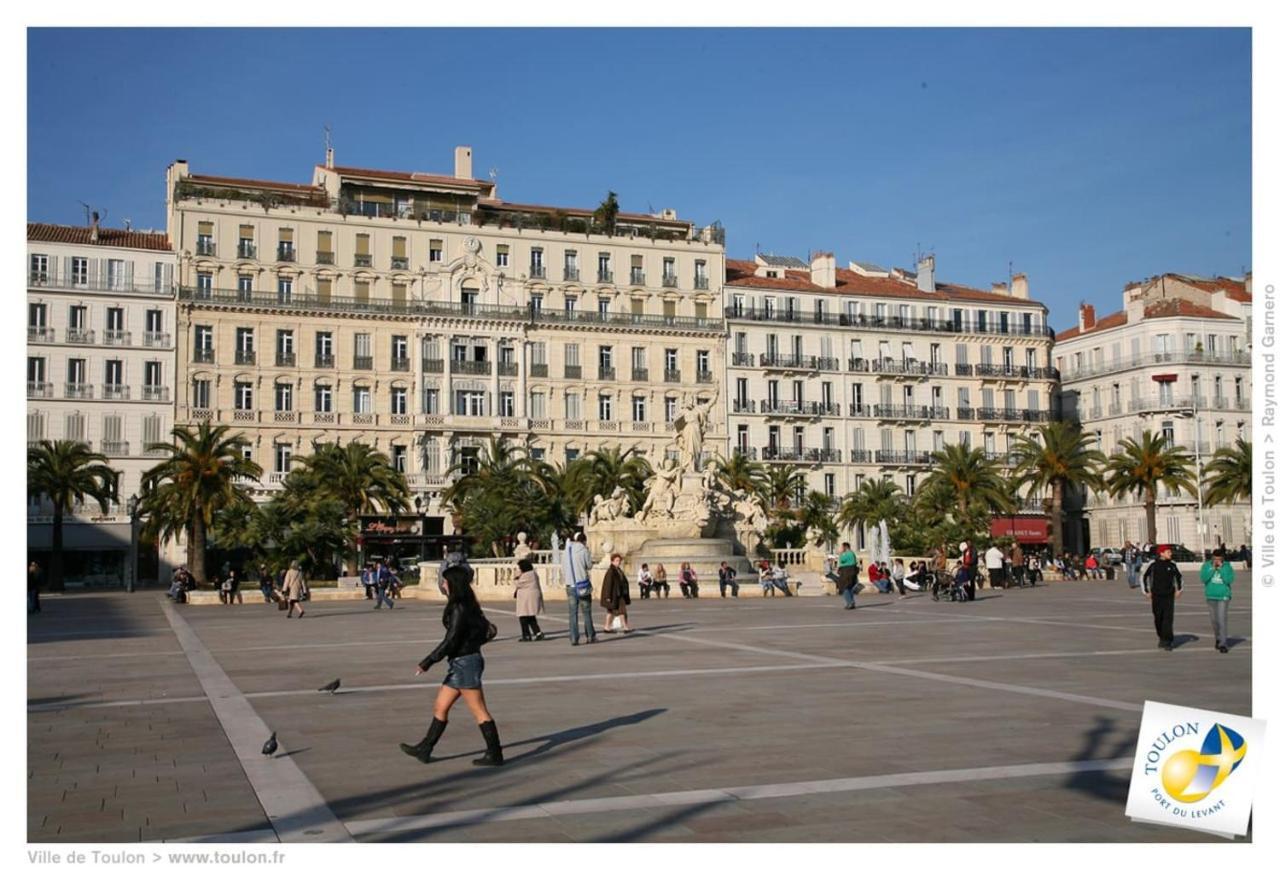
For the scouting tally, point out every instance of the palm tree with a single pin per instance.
(196, 480)
(601, 471)
(964, 478)
(1230, 474)
(817, 511)
(875, 500)
(739, 472)
(66, 473)
(360, 478)
(1139, 467)
(1063, 456)
(781, 486)
(495, 464)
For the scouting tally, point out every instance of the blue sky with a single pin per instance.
(1088, 158)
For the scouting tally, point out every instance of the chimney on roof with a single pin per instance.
(1000, 287)
(328, 157)
(93, 228)
(1021, 290)
(822, 269)
(1087, 319)
(924, 274)
(462, 162)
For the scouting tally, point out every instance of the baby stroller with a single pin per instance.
(945, 587)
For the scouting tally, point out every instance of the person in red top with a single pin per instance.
(873, 572)
(1091, 566)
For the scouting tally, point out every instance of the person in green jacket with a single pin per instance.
(1217, 575)
(847, 575)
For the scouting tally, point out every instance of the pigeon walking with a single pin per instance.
(331, 687)
(269, 748)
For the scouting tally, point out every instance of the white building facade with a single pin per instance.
(863, 372)
(100, 370)
(1175, 360)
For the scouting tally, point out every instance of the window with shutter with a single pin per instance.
(150, 431)
(35, 427)
(362, 291)
(324, 289)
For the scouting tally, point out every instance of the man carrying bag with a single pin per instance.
(576, 567)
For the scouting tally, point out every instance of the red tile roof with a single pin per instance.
(584, 213)
(424, 177)
(1234, 288)
(1111, 321)
(107, 236)
(741, 273)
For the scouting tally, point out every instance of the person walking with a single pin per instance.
(645, 580)
(615, 595)
(34, 577)
(1017, 563)
(293, 589)
(688, 581)
(660, 584)
(528, 602)
(1162, 584)
(728, 577)
(1132, 564)
(967, 574)
(466, 630)
(264, 584)
(576, 568)
(381, 581)
(1218, 576)
(847, 576)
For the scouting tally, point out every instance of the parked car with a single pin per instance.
(1180, 553)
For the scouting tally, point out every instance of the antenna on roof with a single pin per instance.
(493, 174)
(328, 137)
(128, 223)
(88, 212)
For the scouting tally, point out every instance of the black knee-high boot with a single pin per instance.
(422, 750)
(493, 747)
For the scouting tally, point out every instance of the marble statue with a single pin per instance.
(522, 549)
(663, 489)
(750, 521)
(691, 431)
(613, 508)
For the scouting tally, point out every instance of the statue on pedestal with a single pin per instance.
(522, 549)
(691, 431)
(750, 521)
(660, 502)
(613, 508)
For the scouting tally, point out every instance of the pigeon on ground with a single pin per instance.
(269, 748)
(331, 687)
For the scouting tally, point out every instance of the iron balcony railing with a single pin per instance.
(744, 406)
(508, 369)
(911, 412)
(704, 376)
(742, 358)
(155, 340)
(894, 323)
(607, 373)
(537, 270)
(80, 337)
(668, 280)
(637, 277)
(538, 370)
(800, 455)
(399, 262)
(39, 334)
(639, 373)
(745, 451)
(115, 391)
(471, 367)
(76, 390)
(246, 250)
(324, 258)
(860, 455)
(155, 393)
(860, 409)
(365, 260)
(572, 371)
(245, 357)
(206, 247)
(202, 355)
(604, 276)
(701, 282)
(115, 449)
(571, 273)
(286, 254)
(399, 364)
(529, 313)
(799, 361)
(433, 364)
(361, 362)
(859, 364)
(324, 361)
(904, 458)
(888, 366)
(39, 390)
(1228, 358)
(1176, 403)
(671, 376)
(809, 408)
(286, 358)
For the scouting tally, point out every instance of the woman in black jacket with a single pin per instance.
(466, 629)
(615, 594)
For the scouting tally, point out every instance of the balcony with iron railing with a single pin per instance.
(859, 364)
(799, 455)
(903, 458)
(206, 248)
(433, 365)
(115, 449)
(743, 358)
(861, 409)
(115, 391)
(361, 362)
(401, 263)
(671, 376)
(607, 373)
(324, 258)
(202, 355)
(701, 282)
(155, 393)
(639, 373)
(245, 357)
(571, 273)
(537, 270)
(668, 279)
(323, 361)
(744, 406)
(910, 412)
(79, 336)
(1222, 358)
(362, 260)
(604, 276)
(246, 250)
(471, 367)
(745, 451)
(915, 368)
(704, 376)
(637, 277)
(155, 340)
(399, 364)
(861, 455)
(78, 390)
(572, 370)
(39, 334)
(117, 337)
(286, 254)
(1184, 402)
(894, 323)
(286, 358)
(538, 370)
(39, 390)
(508, 369)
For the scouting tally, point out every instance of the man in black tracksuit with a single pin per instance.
(1162, 583)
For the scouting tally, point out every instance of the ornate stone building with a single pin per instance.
(1175, 360)
(100, 370)
(423, 314)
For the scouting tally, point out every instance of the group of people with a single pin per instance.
(1162, 585)
(381, 583)
(654, 584)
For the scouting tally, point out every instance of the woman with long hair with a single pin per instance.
(528, 601)
(615, 594)
(466, 629)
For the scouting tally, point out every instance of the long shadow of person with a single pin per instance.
(1103, 742)
(546, 743)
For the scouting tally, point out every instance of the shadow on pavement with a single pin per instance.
(89, 616)
(1105, 740)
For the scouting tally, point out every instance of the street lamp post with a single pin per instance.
(131, 575)
(422, 528)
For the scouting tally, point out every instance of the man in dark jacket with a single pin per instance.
(1162, 584)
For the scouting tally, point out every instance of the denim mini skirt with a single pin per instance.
(464, 672)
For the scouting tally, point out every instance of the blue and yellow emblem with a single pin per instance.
(1190, 775)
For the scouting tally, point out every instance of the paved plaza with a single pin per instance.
(1011, 718)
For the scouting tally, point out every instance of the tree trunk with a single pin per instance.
(56, 583)
(1056, 520)
(195, 548)
(1150, 504)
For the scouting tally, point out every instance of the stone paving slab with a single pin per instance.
(712, 694)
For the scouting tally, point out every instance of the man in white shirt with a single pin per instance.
(995, 565)
(576, 568)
